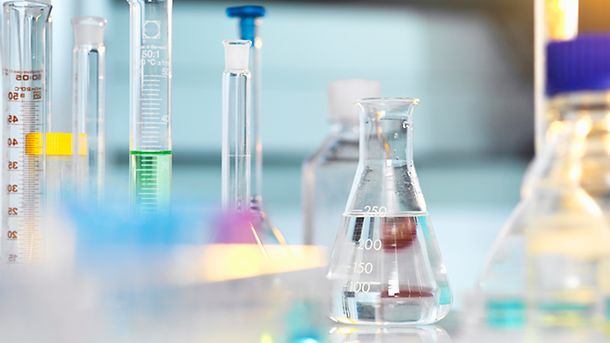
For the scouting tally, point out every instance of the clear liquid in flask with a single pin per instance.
(388, 270)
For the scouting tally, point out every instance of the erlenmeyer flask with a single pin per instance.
(386, 267)
(546, 263)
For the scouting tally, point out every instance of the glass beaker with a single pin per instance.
(386, 267)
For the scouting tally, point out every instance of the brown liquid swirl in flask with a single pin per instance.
(398, 232)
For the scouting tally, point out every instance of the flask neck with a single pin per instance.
(386, 139)
(386, 177)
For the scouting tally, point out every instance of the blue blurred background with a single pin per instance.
(469, 61)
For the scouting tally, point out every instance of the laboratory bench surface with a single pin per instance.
(172, 294)
(469, 199)
(284, 307)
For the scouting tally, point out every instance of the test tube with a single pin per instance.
(150, 104)
(236, 161)
(88, 129)
(25, 86)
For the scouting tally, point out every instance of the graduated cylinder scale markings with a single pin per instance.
(24, 165)
(150, 143)
(25, 78)
(151, 173)
(153, 120)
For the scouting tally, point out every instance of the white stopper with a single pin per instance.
(237, 54)
(88, 30)
(343, 94)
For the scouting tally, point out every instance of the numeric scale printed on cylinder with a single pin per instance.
(25, 79)
(25, 166)
(151, 151)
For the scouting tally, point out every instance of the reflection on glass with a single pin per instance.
(416, 334)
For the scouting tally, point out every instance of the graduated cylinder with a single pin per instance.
(25, 93)
(150, 104)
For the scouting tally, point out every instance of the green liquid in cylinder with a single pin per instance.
(151, 177)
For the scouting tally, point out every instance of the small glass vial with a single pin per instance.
(329, 172)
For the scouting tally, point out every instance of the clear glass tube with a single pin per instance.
(249, 29)
(88, 136)
(255, 60)
(150, 104)
(25, 82)
(236, 167)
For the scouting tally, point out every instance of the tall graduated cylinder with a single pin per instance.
(386, 267)
(25, 81)
(150, 104)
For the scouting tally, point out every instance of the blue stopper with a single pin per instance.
(579, 65)
(247, 19)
